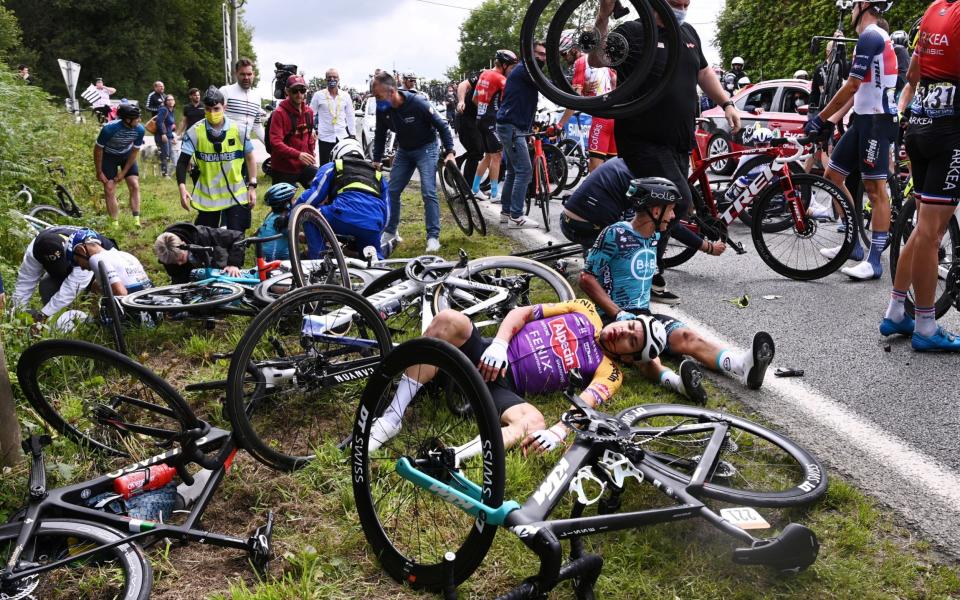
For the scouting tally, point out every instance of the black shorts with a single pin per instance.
(579, 232)
(488, 136)
(865, 147)
(502, 390)
(470, 138)
(112, 164)
(934, 150)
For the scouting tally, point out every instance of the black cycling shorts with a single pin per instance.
(502, 390)
(934, 150)
(112, 164)
(488, 136)
(865, 147)
(470, 138)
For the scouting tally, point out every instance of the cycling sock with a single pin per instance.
(136, 219)
(115, 223)
(671, 380)
(895, 309)
(476, 184)
(494, 189)
(730, 362)
(406, 390)
(878, 242)
(926, 321)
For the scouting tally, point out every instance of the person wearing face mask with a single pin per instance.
(220, 195)
(334, 116)
(658, 141)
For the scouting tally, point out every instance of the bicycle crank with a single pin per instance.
(953, 284)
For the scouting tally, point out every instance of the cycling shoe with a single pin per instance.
(762, 355)
(902, 327)
(692, 380)
(941, 341)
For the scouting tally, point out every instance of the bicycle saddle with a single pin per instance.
(794, 550)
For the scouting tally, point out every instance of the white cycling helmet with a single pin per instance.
(654, 338)
(759, 135)
(346, 147)
(801, 74)
(737, 60)
(743, 81)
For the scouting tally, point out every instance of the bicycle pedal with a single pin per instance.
(737, 247)
(261, 546)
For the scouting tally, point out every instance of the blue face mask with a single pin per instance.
(681, 15)
(383, 105)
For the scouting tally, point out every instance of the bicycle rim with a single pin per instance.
(755, 466)
(575, 159)
(543, 193)
(458, 204)
(409, 528)
(182, 297)
(556, 168)
(315, 254)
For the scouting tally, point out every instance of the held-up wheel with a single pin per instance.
(630, 46)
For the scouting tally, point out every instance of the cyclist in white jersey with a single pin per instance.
(873, 128)
(124, 272)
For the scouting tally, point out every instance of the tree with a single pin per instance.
(9, 425)
(9, 31)
(493, 25)
(774, 37)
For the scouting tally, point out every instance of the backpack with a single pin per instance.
(266, 129)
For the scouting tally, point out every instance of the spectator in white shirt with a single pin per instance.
(102, 102)
(244, 105)
(334, 115)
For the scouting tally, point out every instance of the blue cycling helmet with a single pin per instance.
(280, 194)
(81, 236)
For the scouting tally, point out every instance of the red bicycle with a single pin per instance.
(792, 215)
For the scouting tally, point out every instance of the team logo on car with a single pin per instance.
(564, 343)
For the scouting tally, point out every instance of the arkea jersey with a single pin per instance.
(563, 336)
(602, 79)
(937, 43)
(624, 263)
(875, 64)
(488, 92)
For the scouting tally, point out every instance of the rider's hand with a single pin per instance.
(606, 9)
(232, 271)
(733, 118)
(624, 315)
(542, 441)
(450, 157)
(252, 197)
(713, 248)
(307, 158)
(493, 363)
(814, 125)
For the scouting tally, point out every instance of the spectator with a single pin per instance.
(416, 124)
(179, 262)
(292, 138)
(243, 104)
(166, 133)
(450, 99)
(115, 160)
(334, 116)
(101, 103)
(192, 111)
(216, 145)
(155, 98)
(410, 85)
(24, 72)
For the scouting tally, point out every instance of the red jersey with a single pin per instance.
(936, 48)
(603, 79)
(488, 92)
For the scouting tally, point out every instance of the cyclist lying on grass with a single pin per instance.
(535, 349)
(618, 275)
(227, 253)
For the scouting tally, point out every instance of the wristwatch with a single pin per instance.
(252, 183)
(726, 104)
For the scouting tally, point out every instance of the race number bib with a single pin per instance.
(938, 100)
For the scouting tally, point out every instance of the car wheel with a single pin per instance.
(721, 143)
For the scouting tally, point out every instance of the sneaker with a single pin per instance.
(659, 284)
(664, 296)
(433, 245)
(390, 238)
(760, 358)
(691, 377)
(863, 271)
(831, 253)
(381, 432)
(523, 222)
(479, 195)
(903, 327)
(941, 341)
(504, 218)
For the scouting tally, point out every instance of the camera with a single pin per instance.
(280, 78)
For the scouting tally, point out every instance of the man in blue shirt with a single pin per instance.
(115, 158)
(517, 108)
(416, 124)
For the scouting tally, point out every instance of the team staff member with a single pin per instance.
(865, 146)
(469, 132)
(115, 160)
(658, 141)
(416, 124)
(215, 144)
(933, 144)
(334, 116)
(291, 137)
(486, 96)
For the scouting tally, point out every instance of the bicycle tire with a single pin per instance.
(269, 290)
(50, 214)
(184, 297)
(111, 304)
(67, 204)
(806, 481)
(947, 255)
(426, 570)
(765, 241)
(746, 216)
(685, 253)
(477, 221)
(556, 169)
(57, 538)
(543, 191)
(865, 218)
(457, 202)
(575, 162)
(114, 392)
(328, 268)
(276, 343)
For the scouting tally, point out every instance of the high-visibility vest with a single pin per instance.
(220, 184)
(356, 174)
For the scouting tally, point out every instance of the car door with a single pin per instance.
(785, 117)
(757, 97)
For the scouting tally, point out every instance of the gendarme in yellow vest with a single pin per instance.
(220, 184)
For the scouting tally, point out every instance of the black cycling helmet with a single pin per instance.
(280, 194)
(128, 111)
(213, 96)
(506, 57)
(900, 38)
(652, 191)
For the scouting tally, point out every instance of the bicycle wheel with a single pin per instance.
(755, 466)
(121, 572)
(101, 399)
(408, 527)
(543, 194)
(862, 202)
(51, 215)
(181, 297)
(473, 206)
(267, 291)
(526, 282)
(315, 254)
(576, 162)
(948, 257)
(746, 216)
(796, 254)
(312, 350)
(458, 203)
(111, 314)
(556, 169)
(677, 253)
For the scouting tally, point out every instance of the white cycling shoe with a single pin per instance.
(862, 271)
(381, 432)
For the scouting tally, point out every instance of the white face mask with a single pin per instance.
(681, 14)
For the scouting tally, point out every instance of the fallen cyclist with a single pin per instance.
(533, 352)
(227, 253)
(618, 276)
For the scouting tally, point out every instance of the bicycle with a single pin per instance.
(837, 67)
(315, 345)
(66, 208)
(89, 535)
(787, 236)
(418, 485)
(573, 143)
(460, 199)
(540, 192)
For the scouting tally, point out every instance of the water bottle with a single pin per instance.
(143, 480)
(737, 187)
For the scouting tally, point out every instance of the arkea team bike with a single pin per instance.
(424, 493)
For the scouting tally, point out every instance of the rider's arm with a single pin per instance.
(462, 92)
(319, 190)
(113, 277)
(76, 282)
(840, 114)
(514, 322)
(28, 276)
(597, 57)
(565, 117)
(592, 288)
(868, 46)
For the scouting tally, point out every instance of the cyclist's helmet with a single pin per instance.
(280, 195)
(759, 135)
(81, 236)
(507, 57)
(346, 147)
(801, 74)
(652, 191)
(900, 38)
(654, 338)
(881, 5)
(128, 111)
(567, 40)
(213, 96)
(737, 60)
(743, 81)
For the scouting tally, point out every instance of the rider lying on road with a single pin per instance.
(618, 276)
(533, 352)
(227, 253)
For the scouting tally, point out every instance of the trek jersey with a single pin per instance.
(562, 336)
(875, 64)
(936, 96)
(624, 263)
(602, 78)
(488, 92)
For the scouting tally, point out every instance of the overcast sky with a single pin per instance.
(356, 36)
